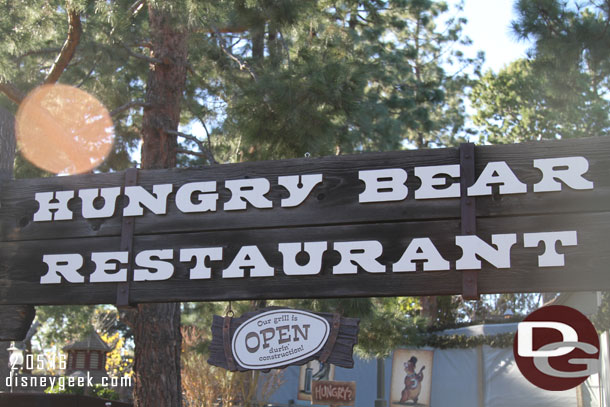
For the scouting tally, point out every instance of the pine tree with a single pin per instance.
(523, 103)
(265, 79)
(571, 60)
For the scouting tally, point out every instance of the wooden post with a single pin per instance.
(380, 401)
(470, 290)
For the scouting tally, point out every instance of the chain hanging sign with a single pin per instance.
(509, 218)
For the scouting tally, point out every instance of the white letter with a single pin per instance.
(376, 182)
(64, 264)
(421, 249)
(364, 253)
(298, 194)
(138, 196)
(164, 269)
(314, 250)
(250, 190)
(429, 179)
(200, 271)
(109, 195)
(497, 172)
(550, 257)
(472, 246)
(571, 176)
(44, 202)
(526, 338)
(248, 257)
(207, 202)
(102, 265)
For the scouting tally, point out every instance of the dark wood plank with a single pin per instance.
(332, 203)
(16, 320)
(585, 268)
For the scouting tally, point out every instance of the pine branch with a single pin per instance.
(37, 52)
(205, 152)
(242, 65)
(68, 49)
(88, 76)
(127, 106)
(189, 152)
(143, 57)
(205, 127)
(11, 91)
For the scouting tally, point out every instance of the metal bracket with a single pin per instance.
(127, 229)
(470, 278)
(332, 338)
(226, 341)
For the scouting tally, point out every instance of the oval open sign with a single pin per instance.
(278, 338)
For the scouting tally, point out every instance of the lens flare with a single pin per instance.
(63, 129)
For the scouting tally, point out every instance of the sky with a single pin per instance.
(489, 28)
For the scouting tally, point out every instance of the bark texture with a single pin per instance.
(7, 144)
(157, 326)
(166, 81)
(16, 319)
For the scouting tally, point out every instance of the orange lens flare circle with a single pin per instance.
(63, 129)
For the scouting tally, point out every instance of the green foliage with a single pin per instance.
(561, 91)
(105, 392)
(601, 319)
(525, 102)
(336, 77)
(63, 323)
(504, 340)
(96, 390)
(59, 389)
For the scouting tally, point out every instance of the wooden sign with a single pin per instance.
(333, 393)
(279, 337)
(509, 218)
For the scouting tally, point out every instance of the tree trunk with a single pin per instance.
(157, 326)
(7, 144)
(164, 91)
(16, 319)
(258, 44)
(274, 45)
(7, 156)
(429, 309)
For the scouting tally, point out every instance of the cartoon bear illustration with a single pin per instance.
(412, 381)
